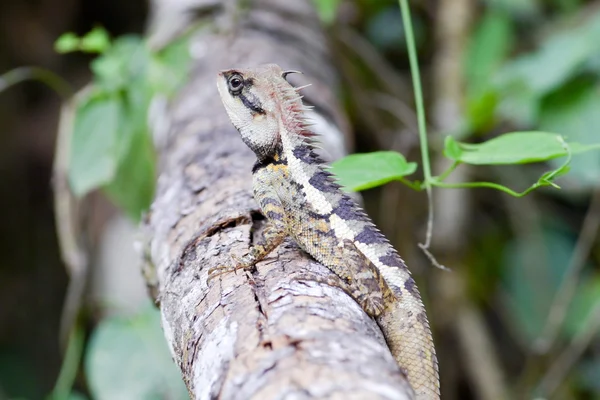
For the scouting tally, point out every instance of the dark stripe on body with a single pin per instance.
(322, 181)
(409, 285)
(304, 154)
(346, 209)
(391, 260)
(369, 235)
(274, 215)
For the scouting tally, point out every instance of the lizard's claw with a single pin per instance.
(219, 270)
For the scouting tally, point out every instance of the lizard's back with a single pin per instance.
(289, 179)
(331, 227)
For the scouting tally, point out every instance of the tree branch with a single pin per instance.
(274, 332)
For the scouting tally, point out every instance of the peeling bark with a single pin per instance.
(274, 332)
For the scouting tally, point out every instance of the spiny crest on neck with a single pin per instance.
(293, 110)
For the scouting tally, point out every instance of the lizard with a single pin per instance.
(301, 199)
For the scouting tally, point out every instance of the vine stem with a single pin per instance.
(49, 78)
(416, 79)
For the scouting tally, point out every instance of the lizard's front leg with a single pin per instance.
(273, 234)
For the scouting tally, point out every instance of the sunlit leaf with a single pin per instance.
(557, 59)
(327, 9)
(126, 60)
(66, 43)
(128, 358)
(452, 148)
(363, 171)
(95, 41)
(168, 69)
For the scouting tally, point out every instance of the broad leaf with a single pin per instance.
(126, 60)
(128, 358)
(575, 111)
(522, 83)
(565, 52)
(94, 157)
(364, 171)
(132, 188)
(489, 46)
(513, 148)
(95, 41)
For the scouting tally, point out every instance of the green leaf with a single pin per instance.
(168, 69)
(514, 148)
(327, 10)
(132, 188)
(557, 60)
(128, 358)
(586, 298)
(130, 72)
(517, 102)
(523, 82)
(533, 267)
(452, 148)
(126, 60)
(487, 50)
(574, 110)
(94, 145)
(95, 41)
(364, 171)
(66, 43)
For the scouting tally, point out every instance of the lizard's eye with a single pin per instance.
(236, 83)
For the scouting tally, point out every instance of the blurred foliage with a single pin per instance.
(128, 358)
(111, 145)
(530, 66)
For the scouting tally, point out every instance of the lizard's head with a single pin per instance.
(258, 103)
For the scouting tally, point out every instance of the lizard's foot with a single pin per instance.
(372, 303)
(237, 263)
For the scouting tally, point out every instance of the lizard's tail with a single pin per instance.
(408, 335)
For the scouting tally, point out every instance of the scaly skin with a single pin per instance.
(300, 199)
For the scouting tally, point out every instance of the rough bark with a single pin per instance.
(274, 332)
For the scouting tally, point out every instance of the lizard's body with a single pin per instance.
(300, 199)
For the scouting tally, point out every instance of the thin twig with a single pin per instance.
(565, 293)
(478, 350)
(47, 77)
(398, 109)
(416, 79)
(425, 246)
